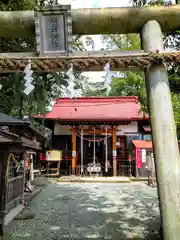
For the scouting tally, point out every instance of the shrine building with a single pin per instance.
(95, 134)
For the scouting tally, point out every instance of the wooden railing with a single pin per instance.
(127, 170)
(14, 192)
(78, 170)
(122, 170)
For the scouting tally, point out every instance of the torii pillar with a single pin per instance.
(167, 160)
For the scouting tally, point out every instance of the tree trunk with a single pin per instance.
(96, 21)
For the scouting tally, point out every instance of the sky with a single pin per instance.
(96, 76)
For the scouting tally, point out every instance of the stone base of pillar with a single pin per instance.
(73, 172)
(114, 168)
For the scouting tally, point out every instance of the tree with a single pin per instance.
(123, 41)
(172, 41)
(132, 84)
(47, 86)
(95, 89)
(176, 108)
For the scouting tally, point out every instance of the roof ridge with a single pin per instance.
(90, 109)
(94, 99)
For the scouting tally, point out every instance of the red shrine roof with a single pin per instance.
(95, 109)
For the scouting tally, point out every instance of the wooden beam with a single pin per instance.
(100, 53)
(97, 131)
(91, 62)
(95, 21)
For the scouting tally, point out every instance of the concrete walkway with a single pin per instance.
(87, 211)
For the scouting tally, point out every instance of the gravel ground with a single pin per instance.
(90, 211)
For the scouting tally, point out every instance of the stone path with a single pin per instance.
(90, 211)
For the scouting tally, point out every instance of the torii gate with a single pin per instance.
(149, 22)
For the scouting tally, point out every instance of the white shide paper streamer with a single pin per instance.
(29, 87)
(108, 78)
(70, 89)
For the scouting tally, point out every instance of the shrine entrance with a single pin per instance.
(94, 151)
(101, 157)
(99, 146)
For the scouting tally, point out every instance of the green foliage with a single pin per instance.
(171, 40)
(131, 84)
(18, 5)
(95, 89)
(47, 86)
(176, 106)
(12, 83)
(122, 41)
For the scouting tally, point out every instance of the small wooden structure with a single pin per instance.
(18, 141)
(53, 168)
(12, 189)
(53, 158)
(140, 149)
(32, 139)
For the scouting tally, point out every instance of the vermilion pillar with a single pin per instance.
(73, 151)
(114, 151)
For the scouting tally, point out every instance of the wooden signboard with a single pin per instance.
(54, 31)
(143, 155)
(53, 155)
